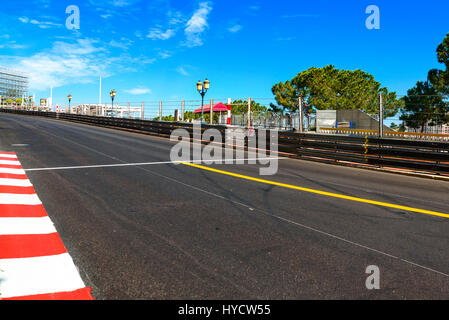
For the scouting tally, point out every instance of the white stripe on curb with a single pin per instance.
(15, 182)
(31, 276)
(10, 162)
(12, 171)
(20, 226)
(12, 156)
(26, 199)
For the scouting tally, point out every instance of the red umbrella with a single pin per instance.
(218, 107)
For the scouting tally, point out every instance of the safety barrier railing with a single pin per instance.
(387, 134)
(418, 155)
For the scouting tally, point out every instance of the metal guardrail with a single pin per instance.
(424, 156)
(391, 134)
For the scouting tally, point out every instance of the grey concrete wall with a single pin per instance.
(325, 119)
(360, 120)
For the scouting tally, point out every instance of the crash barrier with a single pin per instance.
(387, 134)
(424, 156)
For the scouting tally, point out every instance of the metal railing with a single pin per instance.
(387, 134)
(417, 155)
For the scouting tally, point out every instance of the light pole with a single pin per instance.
(112, 94)
(70, 101)
(202, 89)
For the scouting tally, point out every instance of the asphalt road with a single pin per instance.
(166, 231)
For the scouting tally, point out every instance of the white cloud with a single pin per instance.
(301, 15)
(12, 44)
(124, 44)
(182, 71)
(164, 54)
(197, 25)
(138, 91)
(64, 63)
(175, 18)
(121, 3)
(143, 60)
(40, 24)
(286, 39)
(158, 34)
(235, 28)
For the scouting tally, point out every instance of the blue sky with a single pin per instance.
(158, 50)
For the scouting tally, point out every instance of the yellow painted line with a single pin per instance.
(323, 193)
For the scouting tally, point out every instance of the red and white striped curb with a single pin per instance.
(34, 264)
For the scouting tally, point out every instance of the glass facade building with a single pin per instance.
(13, 84)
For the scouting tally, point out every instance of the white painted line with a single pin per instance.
(12, 156)
(25, 199)
(10, 162)
(15, 182)
(145, 164)
(31, 276)
(20, 226)
(12, 171)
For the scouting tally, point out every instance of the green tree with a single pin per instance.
(329, 88)
(440, 78)
(394, 126)
(424, 105)
(275, 108)
(189, 115)
(241, 106)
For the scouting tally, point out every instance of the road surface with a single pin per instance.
(166, 231)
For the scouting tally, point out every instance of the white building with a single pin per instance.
(106, 110)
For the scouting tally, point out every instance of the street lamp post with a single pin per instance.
(70, 103)
(112, 94)
(202, 89)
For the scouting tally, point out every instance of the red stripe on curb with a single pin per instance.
(81, 294)
(22, 211)
(17, 190)
(13, 176)
(17, 247)
(30, 246)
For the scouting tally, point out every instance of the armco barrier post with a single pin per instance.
(142, 111)
(381, 115)
(229, 111)
(249, 113)
(300, 116)
(182, 110)
(211, 112)
(160, 111)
